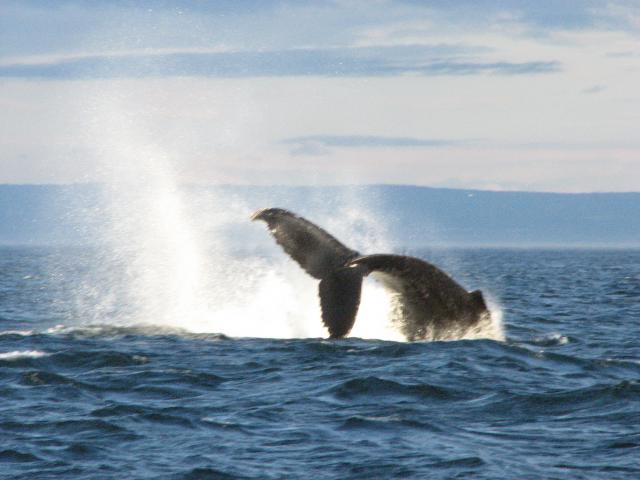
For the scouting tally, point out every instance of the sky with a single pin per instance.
(502, 95)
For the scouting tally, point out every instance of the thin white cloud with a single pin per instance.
(345, 62)
(58, 58)
(322, 144)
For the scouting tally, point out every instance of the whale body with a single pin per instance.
(427, 302)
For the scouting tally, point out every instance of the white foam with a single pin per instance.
(559, 338)
(553, 338)
(57, 329)
(373, 320)
(493, 327)
(489, 328)
(23, 333)
(18, 354)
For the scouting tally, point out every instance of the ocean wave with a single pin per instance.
(569, 403)
(19, 333)
(71, 427)
(119, 331)
(21, 354)
(208, 472)
(360, 422)
(374, 386)
(39, 378)
(551, 340)
(98, 359)
(15, 456)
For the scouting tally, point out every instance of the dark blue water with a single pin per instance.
(559, 399)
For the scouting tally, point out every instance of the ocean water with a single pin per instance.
(88, 390)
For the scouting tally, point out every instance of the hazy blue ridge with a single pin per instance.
(414, 216)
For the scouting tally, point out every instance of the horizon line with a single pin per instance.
(325, 185)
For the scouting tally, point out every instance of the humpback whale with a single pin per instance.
(427, 302)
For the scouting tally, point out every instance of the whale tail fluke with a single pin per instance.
(315, 250)
(340, 298)
(428, 302)
(323, 257)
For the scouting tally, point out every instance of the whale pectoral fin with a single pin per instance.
(339, 298)
(315, 250)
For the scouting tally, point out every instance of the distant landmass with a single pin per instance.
(414, 216)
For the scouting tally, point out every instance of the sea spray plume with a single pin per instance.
(427, 303)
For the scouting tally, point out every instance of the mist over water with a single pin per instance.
(187, 257)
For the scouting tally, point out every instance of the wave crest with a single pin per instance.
(20, 354)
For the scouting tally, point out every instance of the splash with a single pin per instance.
(489, 327)
(271, 296)
(148, 231)
(167, 257)
(176, 257)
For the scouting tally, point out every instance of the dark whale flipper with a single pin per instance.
(339, 298)
(428, 300)
(317, 252)
(322, 257)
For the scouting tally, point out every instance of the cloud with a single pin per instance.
(321, 144)
(332, 62)
(541, 16)
(594, 89)
(30, 27)
(623, 54)
(493, 68)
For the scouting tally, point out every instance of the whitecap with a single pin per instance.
(57, 329)
(19, 354)
(23, 333)
(551, 339)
